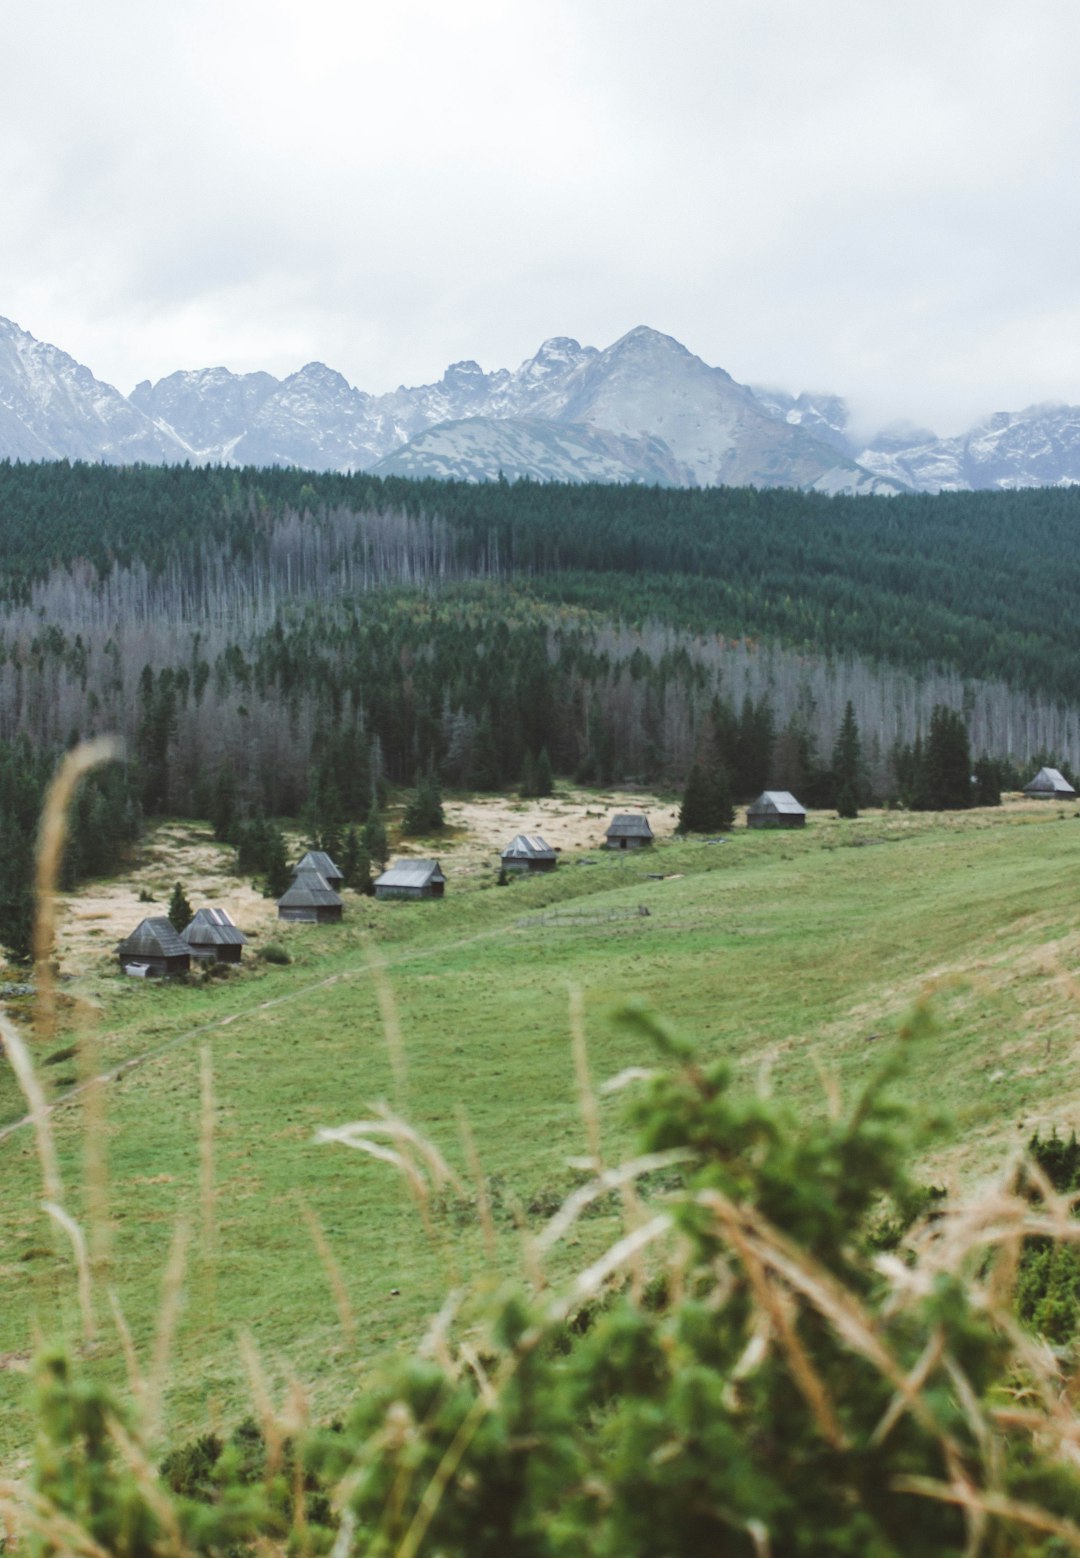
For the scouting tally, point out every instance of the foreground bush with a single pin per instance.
(745, 1371)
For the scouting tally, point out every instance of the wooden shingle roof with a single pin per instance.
(776, 803)
(528, 846)
(155, 937)
(213, 928)
(411, 873)
(629, 825)
(318, 860)
(309, 891)
(1049, 781)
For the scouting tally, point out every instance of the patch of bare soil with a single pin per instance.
(571, 820)
(94, 918)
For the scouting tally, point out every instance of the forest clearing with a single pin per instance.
(798, 957)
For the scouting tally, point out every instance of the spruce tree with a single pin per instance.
(278, 876)
(180, 911)
(375, 840)
(424, 813)
(355, 862)
(847, 765)
(545, 779)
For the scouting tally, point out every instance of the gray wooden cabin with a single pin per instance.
(411, 879)
(775, 809)
(154, 950)
(1050, 785)
(529, 852)
(318, 860)
(213, 937)
(310, 900)
(629, 830)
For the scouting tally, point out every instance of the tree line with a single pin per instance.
(980, 582)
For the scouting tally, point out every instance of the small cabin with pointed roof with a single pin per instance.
(411, 879)
(1050, 785)
(154, 950)
(318, 860)
(775, 809)
(629, 830)
(310, 900)
(213, 937)
(529, 852)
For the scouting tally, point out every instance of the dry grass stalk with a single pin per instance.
(483, 1201)
(52, 837)
(171, 1540)
(833, 1301)
(21, 1064)
(609, 1179)
(591, 1281)
(772, 1301)
(590, 1114)
(95, 1171)
(334, 1277)
(260, 1395)
(82, 1265)
(391, 1020)
(168, 1313)
(36, 1515)
(207, 1188)
(996, 1504)
(136, 1383)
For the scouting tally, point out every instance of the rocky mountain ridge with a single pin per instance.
(644, 409)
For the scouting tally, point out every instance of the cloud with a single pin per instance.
(873, 199)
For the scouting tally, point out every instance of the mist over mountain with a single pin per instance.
(644, 409)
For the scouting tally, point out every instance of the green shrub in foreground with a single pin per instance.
(740, 1374)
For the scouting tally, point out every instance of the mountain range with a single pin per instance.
(644, 409)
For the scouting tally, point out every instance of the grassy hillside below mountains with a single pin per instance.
(797, 956)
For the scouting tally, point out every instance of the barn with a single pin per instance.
(212, 937)
(310, 900)
(318, 860)
(775, 809)
(529, 852)
(411, 879)
(154, 950)
(629, 830)
(1050, 785)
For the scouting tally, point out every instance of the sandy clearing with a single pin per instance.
(94, 918)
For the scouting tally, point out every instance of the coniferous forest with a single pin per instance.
(280, 643)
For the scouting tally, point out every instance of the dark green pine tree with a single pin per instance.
(180, 911)
(545, 779)
(375, 840)
(223, 804)
(527, 788)
(947, 762)
(706, 804)
(278, 875)
(355, 862)
(847, 765)
(987, 782)
(424, 813)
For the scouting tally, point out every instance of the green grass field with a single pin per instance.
(796, 955)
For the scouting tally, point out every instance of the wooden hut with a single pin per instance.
(775, 809)
(318, 860)
(1050, 785)
(411, 879)
(212, 937)
(310, 900)
(154, 950)
(529, 852)
(629, 830)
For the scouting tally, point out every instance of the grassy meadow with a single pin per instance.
(797, 955)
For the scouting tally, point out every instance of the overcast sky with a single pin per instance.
(880, 197)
